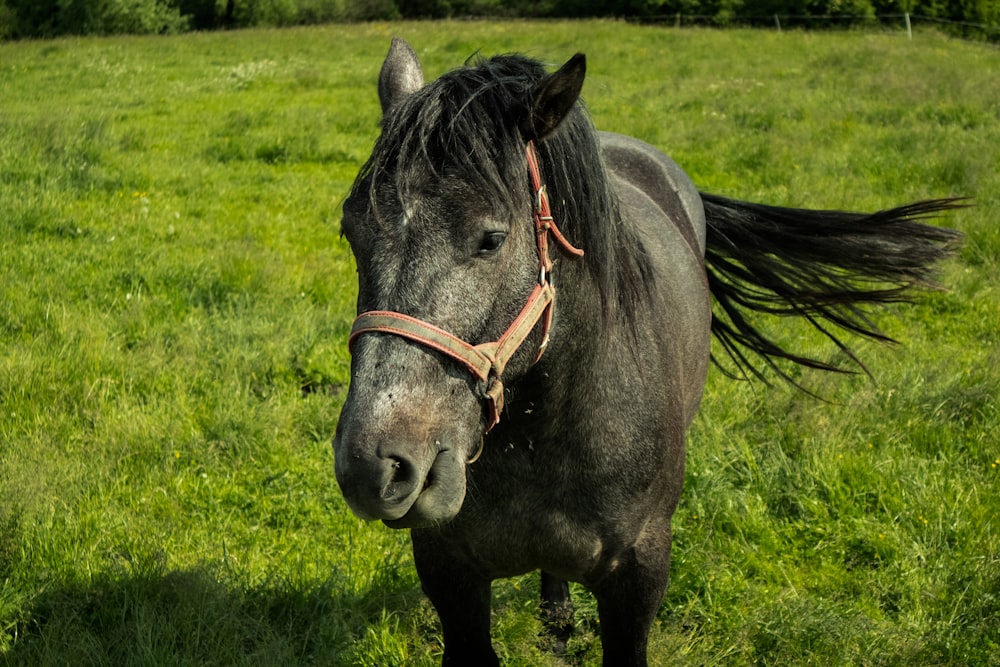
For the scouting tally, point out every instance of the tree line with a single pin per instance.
(50, 18)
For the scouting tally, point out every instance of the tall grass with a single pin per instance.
(175, 297)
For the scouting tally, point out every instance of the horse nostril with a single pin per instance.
(401, 479)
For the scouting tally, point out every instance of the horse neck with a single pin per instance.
(575, 350)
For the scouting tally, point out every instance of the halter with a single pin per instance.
(487, 361)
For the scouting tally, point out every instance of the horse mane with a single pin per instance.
(467, 123)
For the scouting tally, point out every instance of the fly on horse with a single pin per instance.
(535, 310)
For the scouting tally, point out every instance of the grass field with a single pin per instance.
(175, 297)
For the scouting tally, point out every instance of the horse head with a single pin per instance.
(439, 221)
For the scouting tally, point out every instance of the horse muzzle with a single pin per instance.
(400, 489)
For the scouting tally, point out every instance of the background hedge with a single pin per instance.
(49, 18)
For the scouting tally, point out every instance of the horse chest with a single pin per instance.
(525, 516)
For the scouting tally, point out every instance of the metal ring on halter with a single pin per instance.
(539, 194)
(479, 452)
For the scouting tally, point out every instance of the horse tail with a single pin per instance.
(824, 266)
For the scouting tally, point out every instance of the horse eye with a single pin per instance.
(491, 242)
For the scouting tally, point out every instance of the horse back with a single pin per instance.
(659, 178)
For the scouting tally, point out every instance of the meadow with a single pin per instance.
(175, 299)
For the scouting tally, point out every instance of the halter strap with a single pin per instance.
(542, 214)
(487, 361)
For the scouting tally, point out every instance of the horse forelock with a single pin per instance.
(462, 125)
(466, 124)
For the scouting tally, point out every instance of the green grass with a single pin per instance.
(175, 298)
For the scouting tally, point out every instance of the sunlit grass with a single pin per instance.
(175, 298)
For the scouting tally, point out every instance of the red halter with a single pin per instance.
(487, 361)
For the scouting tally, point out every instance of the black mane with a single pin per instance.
(466, 124)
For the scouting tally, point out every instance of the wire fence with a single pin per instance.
(904, 21)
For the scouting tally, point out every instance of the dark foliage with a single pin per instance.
(49, 18)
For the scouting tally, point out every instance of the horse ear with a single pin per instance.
(553, 98)
(400, 76)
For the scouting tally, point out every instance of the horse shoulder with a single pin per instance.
(662, 205)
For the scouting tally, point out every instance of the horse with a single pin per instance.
(512, 431)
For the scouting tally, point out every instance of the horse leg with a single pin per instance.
(462, 601)
(628, 598)
(557, 611)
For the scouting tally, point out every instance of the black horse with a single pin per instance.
(581, 449)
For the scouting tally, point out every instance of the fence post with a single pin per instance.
(777, 22)
(909, 31)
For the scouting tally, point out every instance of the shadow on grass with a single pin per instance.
(193, 618)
